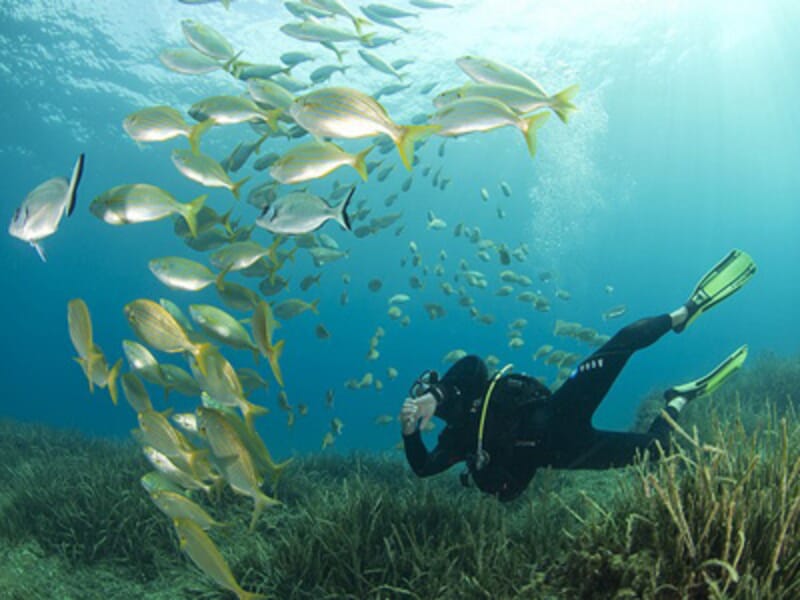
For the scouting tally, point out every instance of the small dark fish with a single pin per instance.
(384, 173)
(427, 88)
(615, 312)
(362, 231)
(309, 280)
(266, 161)
(402, 62)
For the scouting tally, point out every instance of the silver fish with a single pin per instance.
(40, 213)
(188, 61)
(301, 212)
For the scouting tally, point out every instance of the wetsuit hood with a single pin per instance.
(452, 409)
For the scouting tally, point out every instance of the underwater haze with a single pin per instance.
(639, 143)
(684, 145)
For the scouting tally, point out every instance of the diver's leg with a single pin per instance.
(608, 449)
(582, 447)
(581, 394)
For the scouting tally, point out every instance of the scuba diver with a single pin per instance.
(507, 426)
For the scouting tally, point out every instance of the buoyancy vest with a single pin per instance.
(517, 415)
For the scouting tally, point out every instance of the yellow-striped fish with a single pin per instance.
(181, 273)
(316, 159)
(153, 323)
(178, 506)
(222, 327)
(238, 465)
(222, 383)
(264, 325)
(205, 170)
(204, 553)
(207, 40)
(484, 114)
(90, 357)
(341, 112)
(142, 203)
(135, 393)
(156, 124)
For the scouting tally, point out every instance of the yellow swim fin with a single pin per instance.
(711, 381)
(725, 278)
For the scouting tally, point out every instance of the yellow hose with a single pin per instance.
(486, 400)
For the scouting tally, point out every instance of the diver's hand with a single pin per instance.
(417, 409)
(408, 416)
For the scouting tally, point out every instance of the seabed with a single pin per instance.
(717, 517)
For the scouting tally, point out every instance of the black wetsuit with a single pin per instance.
(549, 430)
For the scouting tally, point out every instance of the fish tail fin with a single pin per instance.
(278, 469)
(278, 349)
(251, 411)
(261, 140)
(366, 39)
(271, 117)
(237, 187)
(561, 103)
(409, 135)
(272, 251)
(262, 501)
(339, 53)
(273, 356)
(201, 353)
(189, 212)
(113, 376)
(226, 4)
(245, 595)
(529, 128)
(281, 466)
(314, 306)
(359, 22)
(360, 162)
(232, 63)
(219, 282)
(273, 274)
(194, 456)
(226, 221)
(196, 132)
(77, 172)
(341, 211)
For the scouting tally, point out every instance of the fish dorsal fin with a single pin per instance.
(77, 173)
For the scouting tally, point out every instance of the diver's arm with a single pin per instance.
(425, 463)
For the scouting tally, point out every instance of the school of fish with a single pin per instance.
(296, 133)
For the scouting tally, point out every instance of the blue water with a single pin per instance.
(686, 145)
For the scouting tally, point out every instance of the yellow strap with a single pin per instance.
(486, 399)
